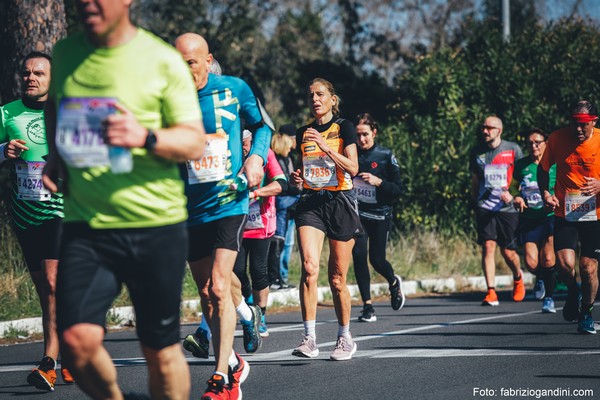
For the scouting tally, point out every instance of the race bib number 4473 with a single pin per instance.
(212, 167)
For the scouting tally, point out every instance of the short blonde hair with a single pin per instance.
(281, 144)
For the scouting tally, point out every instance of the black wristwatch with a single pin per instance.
(150, 143)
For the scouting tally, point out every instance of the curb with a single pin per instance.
(291, 297)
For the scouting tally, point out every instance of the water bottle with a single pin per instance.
(241, 182)
(121, 160)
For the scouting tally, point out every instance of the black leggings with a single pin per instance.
(376, 233)
(258, 252)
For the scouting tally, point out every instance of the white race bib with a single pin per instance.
(496, 176)
(29, 181)
(212, 166)
(365, 192)
(79, 133)
(532, 196)
(254, 218)
(319, 170)
(580, 208)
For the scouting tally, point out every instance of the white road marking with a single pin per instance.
(286, 355)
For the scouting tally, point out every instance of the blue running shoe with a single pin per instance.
(586, 324)
(548, 305)
(252, 338)
(262, 328)
(539, 290)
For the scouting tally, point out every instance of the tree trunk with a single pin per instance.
(26, 26)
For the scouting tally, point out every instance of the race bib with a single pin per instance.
(254, 218)
(533, 197)
(29, 181)
(496, 176)
(319, 170)
(580, 208)
(79, 133)
(365, 192)
(212, 166)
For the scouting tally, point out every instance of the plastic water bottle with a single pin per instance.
(121, 160)
(241, 182)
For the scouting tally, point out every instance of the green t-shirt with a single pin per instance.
(31, 203)
(150, 79)
(526, 175)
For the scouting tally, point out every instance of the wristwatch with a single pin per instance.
(150, 142)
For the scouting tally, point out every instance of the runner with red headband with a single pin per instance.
(576, 210)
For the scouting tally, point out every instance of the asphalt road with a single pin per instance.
(445, 347)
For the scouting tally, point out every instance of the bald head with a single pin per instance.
(491, 131)
(194, 50)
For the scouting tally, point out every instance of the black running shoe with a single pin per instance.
(367, 314)
(571, 308)
(396, 293)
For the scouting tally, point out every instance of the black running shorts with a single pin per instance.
(500, 227)
(149, 261)
(568, 234)
(224, 233)
(41, 242)
(335, 213)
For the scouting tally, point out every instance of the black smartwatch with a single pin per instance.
(150, 143)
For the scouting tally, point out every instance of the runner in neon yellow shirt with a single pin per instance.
(120, 86)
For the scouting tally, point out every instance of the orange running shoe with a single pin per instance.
(66, 376)
(519, 289)
(42, 378)
(491, 298)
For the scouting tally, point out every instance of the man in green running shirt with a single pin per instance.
(36, 214)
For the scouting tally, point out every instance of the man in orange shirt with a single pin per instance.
(574, 149)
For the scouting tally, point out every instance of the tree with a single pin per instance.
(26, 26)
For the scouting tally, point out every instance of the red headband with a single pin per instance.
(583, 118)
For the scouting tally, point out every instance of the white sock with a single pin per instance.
(309, 328)
(225, 376)
(233, 360)
(344, 330)
(244, 311)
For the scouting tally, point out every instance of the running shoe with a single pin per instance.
(571, 308)
(44, 376)
(344, 349)
(548, 306)
(262, 328)
(367, 314)
(490, 299)
(586, 324)
(307, 348)
(539, 290)
(66, 376)
(198, 345)
(217, 389)
(237, 376)
(518, 293)
(252, 338)
(397, 296)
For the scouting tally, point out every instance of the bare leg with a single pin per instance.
(310, 241)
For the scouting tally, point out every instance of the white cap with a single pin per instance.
(247, 134)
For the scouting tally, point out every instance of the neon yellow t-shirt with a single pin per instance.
(150, 79)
